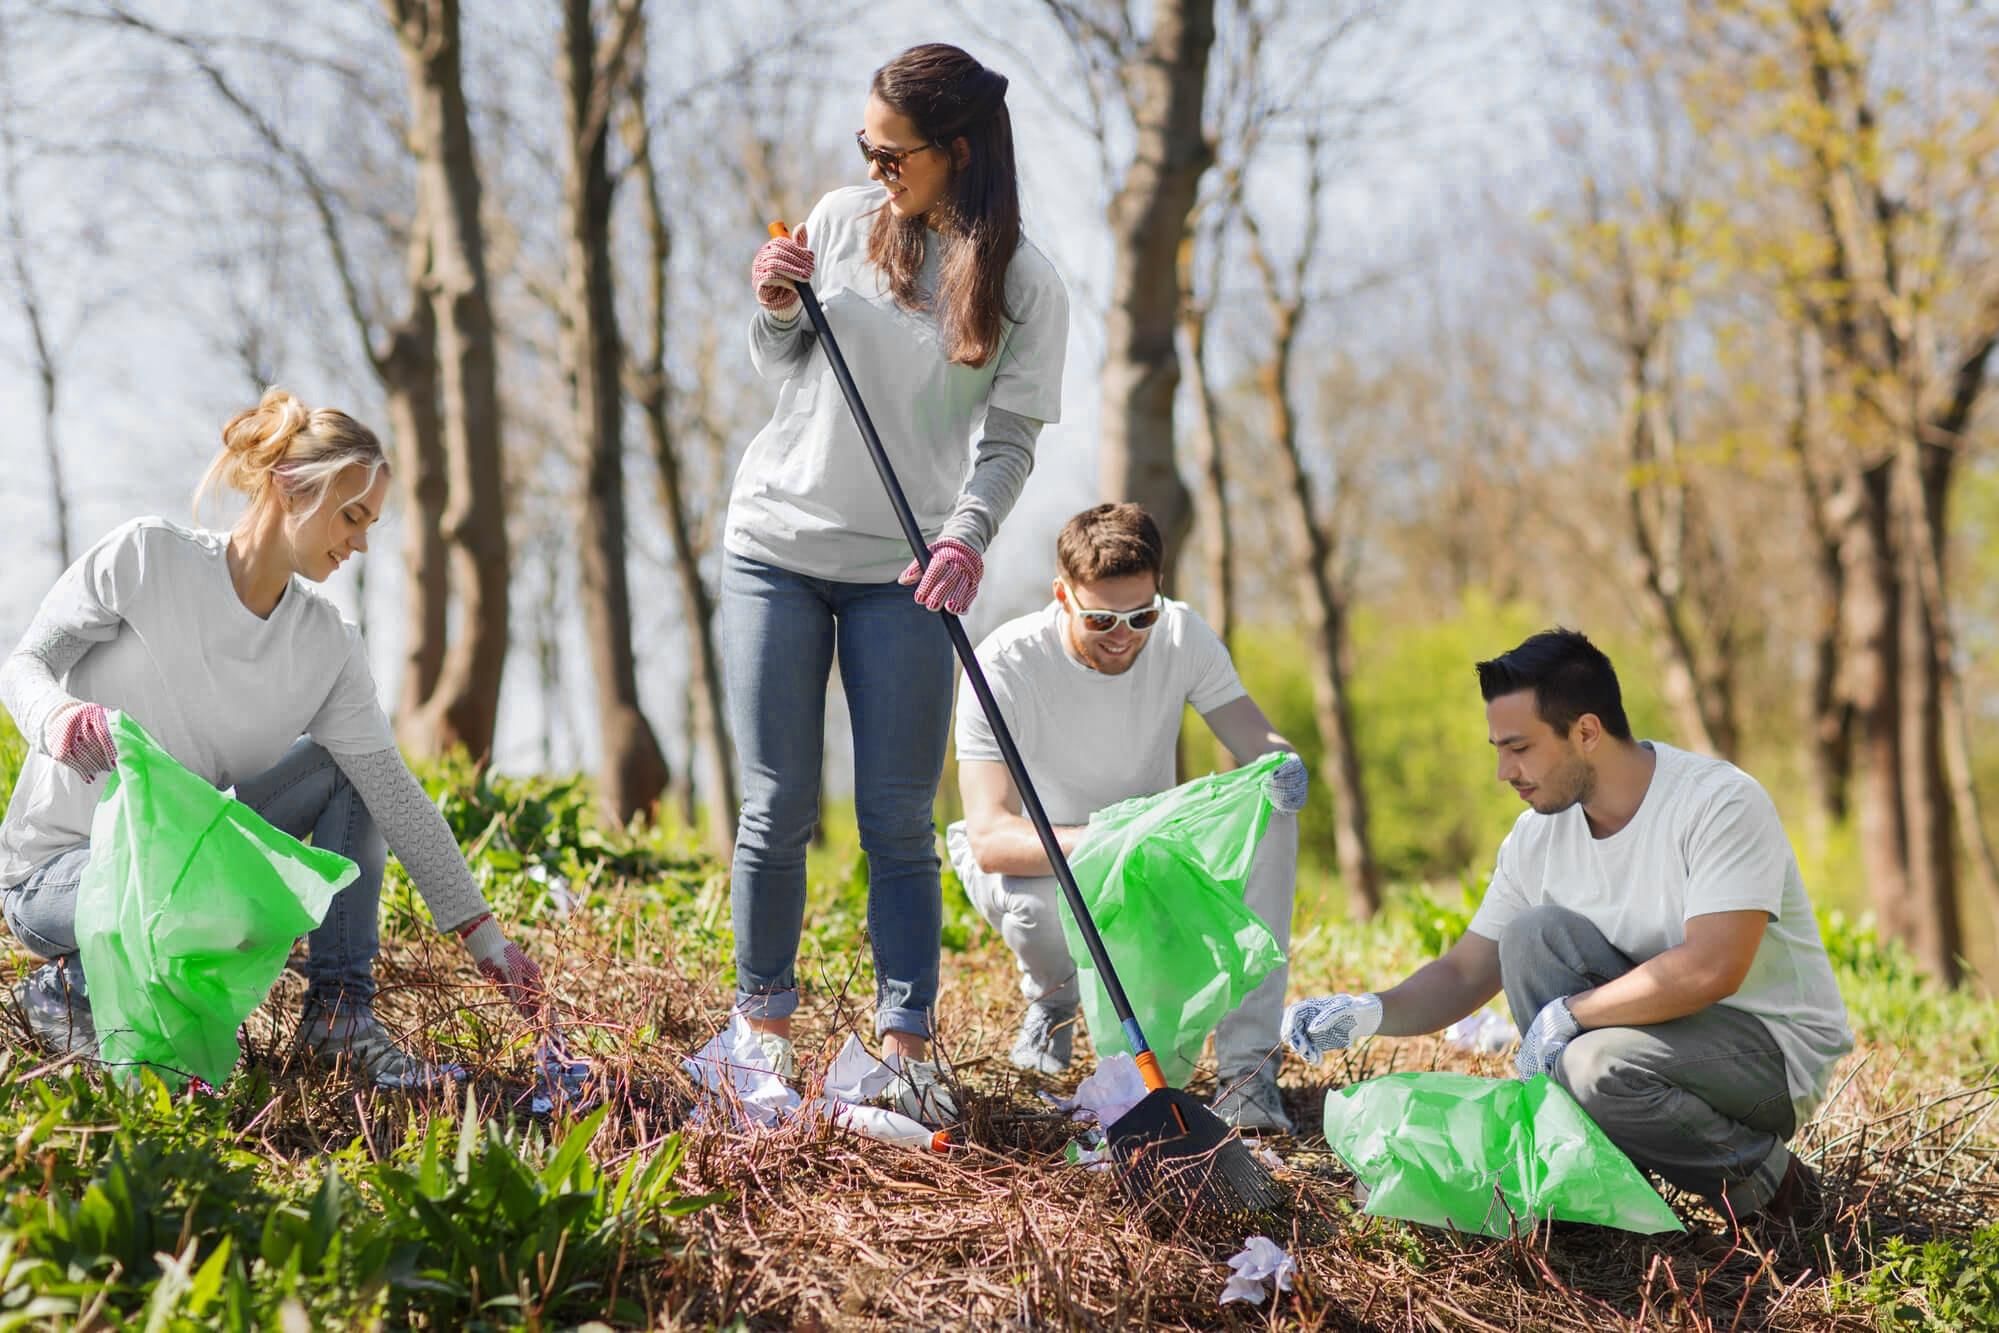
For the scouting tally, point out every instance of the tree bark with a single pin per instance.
(407, 364)
(632, 771)
(462, 707)
(1148, 220)
(1870, 616)
(1211, 507)
(707, 723)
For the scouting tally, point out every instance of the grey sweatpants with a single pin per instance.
(1701, 1100)
(1027, 914)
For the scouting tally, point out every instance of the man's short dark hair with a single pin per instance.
(1569, 675)
(1109, 541)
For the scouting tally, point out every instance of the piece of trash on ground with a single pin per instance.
(734, 1062)
(1261, 1265)
(1113, 1089)
(1267, 1156)
(1088, 1150)
(857, 1076)
(1485, 1033)
(879, 1123)
(558, 1081)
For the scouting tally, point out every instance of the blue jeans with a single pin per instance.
(780, 632)
(303, 793)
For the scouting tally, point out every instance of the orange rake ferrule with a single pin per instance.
(1148, 1069)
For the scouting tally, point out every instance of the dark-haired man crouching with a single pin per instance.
(1649, 926)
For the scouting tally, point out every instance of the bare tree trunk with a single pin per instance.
(1870, 616)
(1211, 507)
(1324, 613)
(463, 705)
(633, 770)
(33, 314)
(407, 362)
(707, 723)
(1149, 226)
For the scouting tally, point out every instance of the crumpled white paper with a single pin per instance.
(1106, 1095)
(856, 1076)
(734, 1059)
(1485, 1033)
(1261, 1265)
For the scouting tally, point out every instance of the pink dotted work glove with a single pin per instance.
(501, 962)
(781, 261)
(951, 581)
(79, 735)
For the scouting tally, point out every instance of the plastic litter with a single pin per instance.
(1107, 1094)
(857, 1076)
(186, 913)
(1163, 878)
(735, 1072)
(732, 1068)
(1488, 1156)
(1484, 1033)
(1263, 1265)
(559, 1080)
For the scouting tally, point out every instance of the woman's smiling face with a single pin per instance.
(920, 176)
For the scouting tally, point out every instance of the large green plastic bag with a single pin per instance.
(1486, 1155)
(186, 913)
(1163, 879)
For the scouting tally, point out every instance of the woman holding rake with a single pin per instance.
(955, 328)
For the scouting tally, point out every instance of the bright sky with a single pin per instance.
(155, 366)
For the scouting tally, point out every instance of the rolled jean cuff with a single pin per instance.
(916, 1022)
(1753, 1192)
(778, 1002)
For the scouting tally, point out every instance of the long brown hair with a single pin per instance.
(947, 95)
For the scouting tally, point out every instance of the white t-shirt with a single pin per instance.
(224, 692)
(1705, 839)
(1091, 740)
(806, 497)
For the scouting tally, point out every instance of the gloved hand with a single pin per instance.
(1287, 785)
(780, 261)
(1330, 1023)
(952, 580)
(79, 735)
(501, 962)
(1541, 1045)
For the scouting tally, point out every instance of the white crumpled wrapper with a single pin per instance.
(1106, 1095)
(1484, 1033)
(734, 1060)
(1261, 1265)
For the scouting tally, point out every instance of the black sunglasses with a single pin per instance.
(888, 159)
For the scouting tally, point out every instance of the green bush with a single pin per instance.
(13, 753)
(1951, 1286)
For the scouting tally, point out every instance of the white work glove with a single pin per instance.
(1330, 1023)
(1287, 786)
(1541, 1045)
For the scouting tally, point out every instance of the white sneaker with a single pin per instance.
(781, 1054)
(57, 1012)
(1047, 1039)
(919, 1092)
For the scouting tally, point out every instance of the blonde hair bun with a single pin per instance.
(282, 451)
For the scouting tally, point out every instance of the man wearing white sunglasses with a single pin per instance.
(1093, 687)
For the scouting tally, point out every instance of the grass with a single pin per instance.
(291, 1196)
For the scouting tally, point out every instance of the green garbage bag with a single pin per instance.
(1486, 1155)
(186, 913)
(1163, 879)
